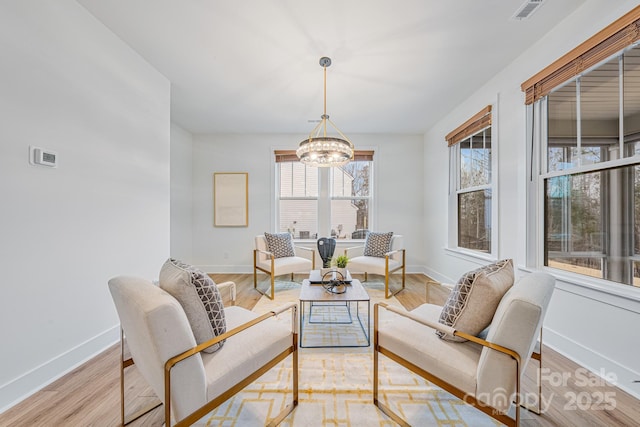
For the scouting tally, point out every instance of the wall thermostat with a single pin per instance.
(43, 157)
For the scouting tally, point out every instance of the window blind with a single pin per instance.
(615, 37)
(290, 155)
(475, 124)
(286, 156)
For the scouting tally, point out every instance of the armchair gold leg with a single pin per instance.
(538, 357)
(142, 412)
(270, 273)
(290, 407)
(386, 286)
(386, 410)
(255, 269)
(404, 267)
(388, 294)
(272, 287)
(125, 363)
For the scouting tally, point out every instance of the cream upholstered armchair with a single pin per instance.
(275, 255)
(189, 381)
(383, 254)
(486, 373)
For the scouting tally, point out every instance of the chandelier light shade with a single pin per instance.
(319, 149)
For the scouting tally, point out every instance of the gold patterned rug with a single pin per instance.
(335, 385)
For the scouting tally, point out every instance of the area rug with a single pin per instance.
(335, 386)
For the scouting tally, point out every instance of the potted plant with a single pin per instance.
(341, 262)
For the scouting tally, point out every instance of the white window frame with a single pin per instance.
(454, 191)
(324, 196)
(537, 137)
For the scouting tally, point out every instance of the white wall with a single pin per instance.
(398, 178)
(69, 85)
(181, 200)
(586, 324)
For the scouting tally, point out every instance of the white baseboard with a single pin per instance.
(18, 389)
(248, 269)
(593, 361)
(226, 269)
(437, 276)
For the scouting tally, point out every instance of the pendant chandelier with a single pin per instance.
(319, 149)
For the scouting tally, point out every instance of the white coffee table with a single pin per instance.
(344, 307)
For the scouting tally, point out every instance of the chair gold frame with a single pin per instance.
(271, 274)
(388, 272)
(487, 409)
(212, 404)
(536, 354)
(125, 363)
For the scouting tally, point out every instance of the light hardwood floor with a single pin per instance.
(90, 395)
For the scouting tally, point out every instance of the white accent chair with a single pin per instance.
(190, 383)
(266, 262)
(393, 261)
(485, 373)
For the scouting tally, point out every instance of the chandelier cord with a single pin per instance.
(324, 116)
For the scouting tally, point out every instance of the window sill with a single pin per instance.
(468, 255)
(597, 289)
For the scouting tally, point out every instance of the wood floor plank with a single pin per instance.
(90, 395)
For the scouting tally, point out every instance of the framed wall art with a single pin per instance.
(230, 199)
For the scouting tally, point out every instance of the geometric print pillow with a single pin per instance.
(199, 297)
(377, 244)
(280, 244)
(475, 298)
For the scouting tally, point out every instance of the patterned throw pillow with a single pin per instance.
(475, 298)
(280, 244)
(377, 244)
(200, 299)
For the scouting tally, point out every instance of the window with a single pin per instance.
(591, 183)
(351, 199)
(586, 131)
(298, 199)
(585, 164)
(316, 202)
(471, 177)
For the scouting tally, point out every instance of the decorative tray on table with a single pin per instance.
(317, 278)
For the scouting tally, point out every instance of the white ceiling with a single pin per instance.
(251, 66)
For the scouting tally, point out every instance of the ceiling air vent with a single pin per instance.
(526, 10)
